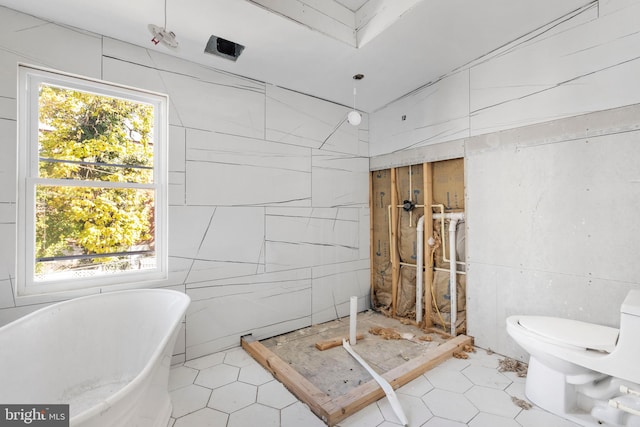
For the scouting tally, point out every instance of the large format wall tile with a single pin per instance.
(263, 305)
(311, 237)
(339, 179)
(433, 114)
(232, 170)
(302, 120)
(26, 39)
(333, 287)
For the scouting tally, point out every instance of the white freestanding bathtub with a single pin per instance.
(107, 356)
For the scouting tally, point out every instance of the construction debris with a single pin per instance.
(521, 403)
(461, 355)
(385, 333)
(512, 365)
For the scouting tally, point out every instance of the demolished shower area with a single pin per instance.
(418, 287)
(418, 244)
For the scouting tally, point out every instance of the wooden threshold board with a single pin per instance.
(333, 410)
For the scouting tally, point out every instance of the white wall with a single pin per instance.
(269, 218)
(550, 207)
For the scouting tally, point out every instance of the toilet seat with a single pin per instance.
(572, 332)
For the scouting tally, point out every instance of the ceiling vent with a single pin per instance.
(224, 48)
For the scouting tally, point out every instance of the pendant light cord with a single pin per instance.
(165, 14)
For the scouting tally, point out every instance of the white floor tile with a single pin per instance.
(231, 397)
(205, 361)
(299, 415)
(414, 409)
(238, 357)
(217, 376)
(492, 401)
(205, 417)
(441, 422)
(450, 405)
(487, 377)
(367, 417)
(255, 374)
(418, 387)
(241, 393)
(189, 399)
(447, 379)
(490, 420)
(537, 417)
(255, 415)
(275, 395)
(181, 376)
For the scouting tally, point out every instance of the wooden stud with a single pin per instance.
(327, 344)
(395, 257)
(372, 273)
(427, 173)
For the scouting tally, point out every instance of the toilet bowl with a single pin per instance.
(577, 370)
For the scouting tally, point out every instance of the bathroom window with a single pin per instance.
(91, 182)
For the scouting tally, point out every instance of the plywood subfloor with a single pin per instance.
(334, 371)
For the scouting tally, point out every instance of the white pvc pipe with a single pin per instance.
(453, 291)
(419, 266)
(353, 316)
(384, 384)
(618, 405)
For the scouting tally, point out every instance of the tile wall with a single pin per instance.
(268, 216)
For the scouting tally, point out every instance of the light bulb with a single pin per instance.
(354, 118)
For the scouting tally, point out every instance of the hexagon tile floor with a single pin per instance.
(230, 389)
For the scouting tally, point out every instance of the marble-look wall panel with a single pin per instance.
(433, 114)
(241, 183)
(231, 170)
(311, 237)
(26, 39)
(7, 249)
(156, 58)
(177, 149)
(6, 293)
(558, 76)
(538, 62)
(310, 122)
(609, 88)
(8, 148)
(333, 287)
(202, 271)
(188, 226)
(339, 179)
(205, 105)
(195, 102)
(234, 235)
(263, 305)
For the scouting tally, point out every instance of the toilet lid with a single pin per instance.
(572, 332)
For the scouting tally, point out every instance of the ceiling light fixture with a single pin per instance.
(161, 34)
(354, 117)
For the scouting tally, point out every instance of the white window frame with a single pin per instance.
(29, 79)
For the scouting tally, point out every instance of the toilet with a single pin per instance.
(587, 373)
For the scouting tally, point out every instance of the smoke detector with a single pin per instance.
(161, 35)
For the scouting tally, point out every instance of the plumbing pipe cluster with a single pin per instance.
(453, 290)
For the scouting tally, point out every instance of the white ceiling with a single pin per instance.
(426, 42)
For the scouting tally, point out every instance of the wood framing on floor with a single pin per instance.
(333, 410)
